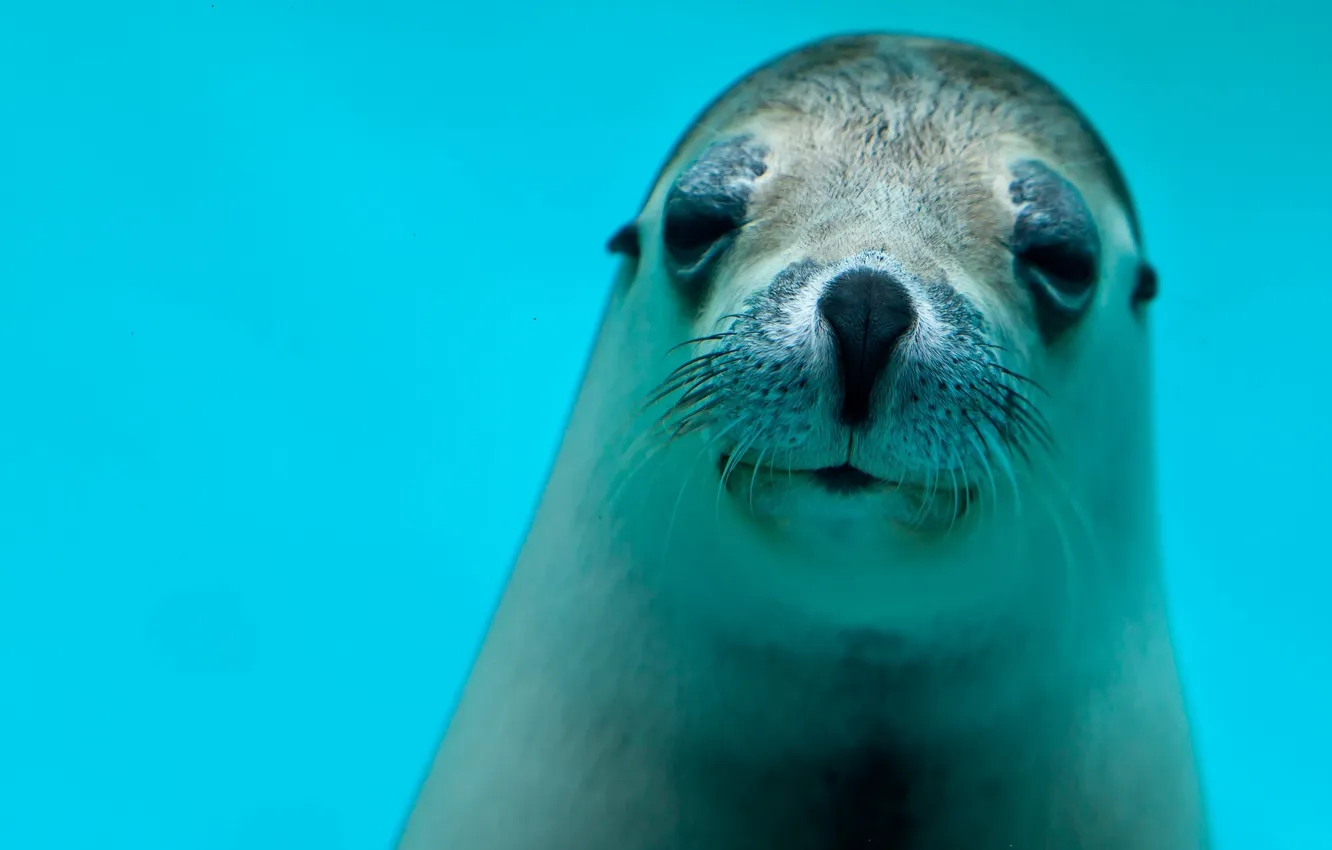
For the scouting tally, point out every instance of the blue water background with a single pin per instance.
(294, 298)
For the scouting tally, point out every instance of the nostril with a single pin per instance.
(868, 312)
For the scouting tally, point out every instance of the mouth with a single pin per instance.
(846, 497)
(844, 480)
(847, 479)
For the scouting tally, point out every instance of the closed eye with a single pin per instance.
(694, 226)
(1055, 243)
(707, 203)
(1066, 265)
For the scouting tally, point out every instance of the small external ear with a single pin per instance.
(1147, 286)
(625, 241)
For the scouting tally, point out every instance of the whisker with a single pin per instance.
(999, 367)
(1015, 395)
(758, 464)
(694, 378)
(957, 498)
(983, 451)
(1032, 421)
(675, 509)
(1026, 421)
(694, 420)
(699, 340)
(688, 395)
(732, 462)
(697, 362)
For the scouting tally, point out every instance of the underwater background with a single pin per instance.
(294, 298)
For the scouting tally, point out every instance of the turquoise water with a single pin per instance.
(293, 301)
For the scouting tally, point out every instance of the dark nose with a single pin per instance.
(869, 311)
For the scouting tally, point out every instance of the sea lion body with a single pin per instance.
(881, 567)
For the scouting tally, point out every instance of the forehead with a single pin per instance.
(911, 112)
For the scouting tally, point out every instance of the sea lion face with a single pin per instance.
(878, 260)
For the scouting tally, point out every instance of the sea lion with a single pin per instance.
(851, 540)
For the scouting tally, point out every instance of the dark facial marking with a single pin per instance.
(704, 208)
(1056, 245)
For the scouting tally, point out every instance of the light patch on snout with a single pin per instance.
(798, 300)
